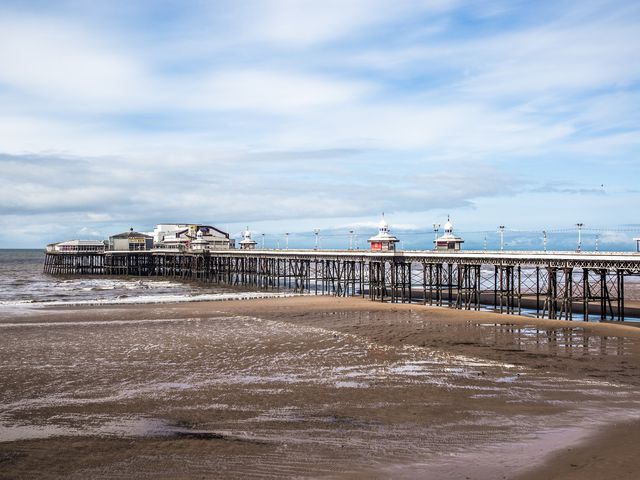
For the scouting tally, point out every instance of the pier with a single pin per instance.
(544, 284)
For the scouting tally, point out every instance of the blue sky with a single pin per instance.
(293, 115)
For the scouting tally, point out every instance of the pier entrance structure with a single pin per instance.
(548, 285)
(448, 241)
(383, 241)
(247, 243)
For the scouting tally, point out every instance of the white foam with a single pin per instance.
(149, 299)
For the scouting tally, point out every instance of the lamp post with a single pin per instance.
(597, 240)
(317, 232)
(350, 239)
(286, 241)
(579, 225)
(263, 241)
(485, 243)
(436, 227)
(544, 240)
(501, 227)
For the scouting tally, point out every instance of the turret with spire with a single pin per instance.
(247, 243)
(448, 241)
(383, 241)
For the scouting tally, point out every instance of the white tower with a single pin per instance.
(247, 242)
(383, 241)
(448, 241)
(200, 243)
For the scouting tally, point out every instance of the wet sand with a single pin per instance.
(315, 387)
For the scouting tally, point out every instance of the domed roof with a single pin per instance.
(448, 227)
(246, 241)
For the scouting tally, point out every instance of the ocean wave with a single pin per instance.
(148, 299)
(106, 285)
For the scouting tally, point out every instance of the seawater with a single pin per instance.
(23, 284)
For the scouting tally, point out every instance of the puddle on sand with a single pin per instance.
(98, 426)
(102, 426)
(569, 341)
(572, 340)
(350, 384)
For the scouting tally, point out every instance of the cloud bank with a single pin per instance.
(292, 114)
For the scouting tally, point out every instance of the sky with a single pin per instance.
(291, 115)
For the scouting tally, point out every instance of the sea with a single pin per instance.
(23, 285)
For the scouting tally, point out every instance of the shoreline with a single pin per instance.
(590, 358)
(202, 307)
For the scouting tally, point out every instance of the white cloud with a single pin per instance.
(564, 56)
(99, 217)
(373, 225)
(554, 60)
(607, 145)
(615, 237)
(89, 232)
(65, 65)
(451, 130)
(274, 91)
(301, 23)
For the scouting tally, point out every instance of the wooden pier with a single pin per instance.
(547, 285)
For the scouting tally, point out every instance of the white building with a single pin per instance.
(247, 243)
(448, 241)
(191, 237)
(383, 241)
(77, 246)
(130, 241)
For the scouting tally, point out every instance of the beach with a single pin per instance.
(314, 387)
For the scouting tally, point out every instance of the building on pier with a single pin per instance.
(247, 243)
(199, 244)
(383, 241)
(448, 241)
(182, 236)
(77, 246)
(130, 241)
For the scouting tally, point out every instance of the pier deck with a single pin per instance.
(553, 285)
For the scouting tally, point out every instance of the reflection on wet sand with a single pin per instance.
(557, 341)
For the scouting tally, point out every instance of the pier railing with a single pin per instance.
(557, 285)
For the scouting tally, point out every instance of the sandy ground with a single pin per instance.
(315, 387)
